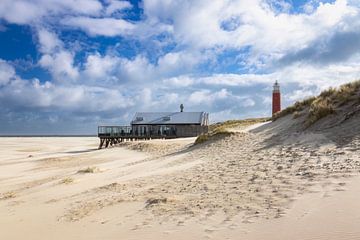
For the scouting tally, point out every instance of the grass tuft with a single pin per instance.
(8, 195)
(221, 127)
(297, 107)
(320, 108)
(327, 93)
(89, 170)
(67, 180)
(219, 130)
(296, 114)
(202, 138)
(154, 201)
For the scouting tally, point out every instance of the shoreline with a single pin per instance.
(42, 136)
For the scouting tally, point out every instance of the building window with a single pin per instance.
(167, 118)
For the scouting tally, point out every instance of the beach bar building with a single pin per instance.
(177, 124)
(156, 125)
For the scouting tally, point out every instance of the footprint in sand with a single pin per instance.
(207, 230)
(136, 227)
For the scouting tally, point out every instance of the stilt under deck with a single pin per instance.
(107, 141)
(112, 135)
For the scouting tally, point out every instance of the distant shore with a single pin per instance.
(51, 135)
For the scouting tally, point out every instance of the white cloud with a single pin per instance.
(88, 7)
(34, 94)
(48, 41)
(100, 26)
(7, 72)
(221, 115)
(116, 6)
(119, 70)
(310, 6)
(55, 58)
(21, 12)
(301, 74)
(99, 67)
(61, 65)
(172, 98)
(199, 24)
(180, 81)
(179, 62)
(248, 102)
(300, 94)
(236, 79)
(206, 97)
(137, 70)
(265, 26)
(28, 12)
(278, 6)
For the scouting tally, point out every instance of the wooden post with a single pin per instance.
(101, 143)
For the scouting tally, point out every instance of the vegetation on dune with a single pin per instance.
(219, 127)
(66, 180)
(297, 107)
(212, 136)
(317, 108)
(296, 114)
(320, 108)
(223, 129)
(202, 138)
(323, 105)
(8, 195)
(89, 170)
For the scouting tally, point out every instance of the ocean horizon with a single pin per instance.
(50, 135)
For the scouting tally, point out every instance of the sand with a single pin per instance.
(253, 184)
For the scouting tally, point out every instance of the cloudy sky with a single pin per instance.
(68, 65)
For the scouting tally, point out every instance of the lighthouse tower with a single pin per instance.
(276, 98)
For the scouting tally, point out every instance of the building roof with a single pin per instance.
(155, 118)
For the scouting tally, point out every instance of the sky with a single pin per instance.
(67, 66)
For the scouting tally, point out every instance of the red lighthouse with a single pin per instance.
(276, 98)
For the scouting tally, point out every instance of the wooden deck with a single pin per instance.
(112, 135)
(107, 141)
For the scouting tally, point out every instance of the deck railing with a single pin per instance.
(111, 135)
(128, 131)
(114, 131)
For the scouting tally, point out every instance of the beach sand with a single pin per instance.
(250, 185)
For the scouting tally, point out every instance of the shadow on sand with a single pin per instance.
(82, 151)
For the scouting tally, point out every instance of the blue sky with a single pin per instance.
(67, 66)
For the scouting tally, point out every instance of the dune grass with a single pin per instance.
(88, 170)
(8, 195)
(297, 107)
(202, 138)
(211, 136)
(323, 105)
(320, 108)
(218, 127)
(219, 130)
(66, 180)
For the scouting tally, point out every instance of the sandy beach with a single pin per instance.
(243, 186)
(179, 119)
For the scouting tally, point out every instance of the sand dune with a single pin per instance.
(267, 181)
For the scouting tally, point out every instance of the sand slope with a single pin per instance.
(273, 182)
